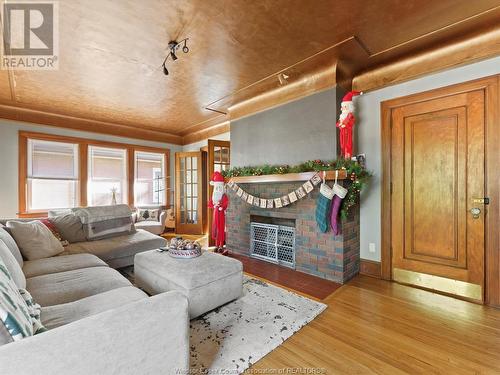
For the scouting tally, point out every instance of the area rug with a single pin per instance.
(232, 337)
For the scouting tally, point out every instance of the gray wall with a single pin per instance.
(289, 134)
(9, 149)
(369, 142)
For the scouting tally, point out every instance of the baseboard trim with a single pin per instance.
(370, 268)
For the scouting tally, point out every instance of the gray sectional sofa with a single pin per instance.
(97, 321)
(117, 251)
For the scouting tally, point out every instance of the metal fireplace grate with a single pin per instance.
(274, 243)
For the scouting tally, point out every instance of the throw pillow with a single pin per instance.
(147, 214)
(12, 265)
(34, 309)
(51, 226)
(35, 240)
(15, 320)
(70, 227)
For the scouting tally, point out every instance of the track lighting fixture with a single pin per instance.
(173, 46)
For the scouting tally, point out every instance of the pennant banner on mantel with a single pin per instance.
(292, 197)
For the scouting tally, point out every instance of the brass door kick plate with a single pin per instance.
(438, 283)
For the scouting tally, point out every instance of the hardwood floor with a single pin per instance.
(373, 326)
(297, 281)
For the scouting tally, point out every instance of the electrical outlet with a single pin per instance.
(371, 247)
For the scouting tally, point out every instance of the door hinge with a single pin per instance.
(391, 188)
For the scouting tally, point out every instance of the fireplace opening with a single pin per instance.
(273, 240)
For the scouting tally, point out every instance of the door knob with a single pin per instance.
(475, 212)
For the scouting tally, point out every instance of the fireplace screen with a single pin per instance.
(274, 243)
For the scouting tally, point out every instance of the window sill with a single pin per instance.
(32, 215)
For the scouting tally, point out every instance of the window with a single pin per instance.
(57, 172)
(107, 177)
(52, 176)
(149, 178)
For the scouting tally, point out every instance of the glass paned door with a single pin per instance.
(188, 166)
(218, 160)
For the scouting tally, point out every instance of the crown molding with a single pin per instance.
(206, 132)
(447, 55)
(331, 67)
(41, 118)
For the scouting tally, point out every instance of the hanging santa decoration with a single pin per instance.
(218, 203)
(346, 124)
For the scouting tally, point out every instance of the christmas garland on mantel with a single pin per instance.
(358, 175)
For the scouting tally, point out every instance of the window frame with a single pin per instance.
(165, 172)
(30, 176)
(126, 169)
(83, 160)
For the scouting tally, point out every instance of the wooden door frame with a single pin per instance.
(490, 86)
(210, 148)
(201, 201)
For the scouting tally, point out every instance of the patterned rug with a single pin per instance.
(232, 337)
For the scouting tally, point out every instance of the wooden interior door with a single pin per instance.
(189, 193)
(219, 159)
(437, 177)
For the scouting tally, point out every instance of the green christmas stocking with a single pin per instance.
(323, 207)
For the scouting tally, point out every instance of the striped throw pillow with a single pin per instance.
(17, 319)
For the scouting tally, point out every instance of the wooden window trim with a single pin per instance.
(131, 169)
(83, 146)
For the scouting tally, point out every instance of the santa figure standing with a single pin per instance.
(346, 124)
(219, 203)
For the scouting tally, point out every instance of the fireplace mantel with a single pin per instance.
(286, 177)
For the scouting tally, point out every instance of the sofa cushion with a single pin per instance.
(148, 224)
(11, 244)
(154, 227)
(61, 263)
(69, 286)
(12, 265)
(70, 227)
(118, 247)
(35, 240)
(58, 315)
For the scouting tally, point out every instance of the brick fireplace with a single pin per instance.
(330, 257)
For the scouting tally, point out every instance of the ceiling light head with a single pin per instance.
(185, 49)
(165, 70)
(283, 79)
(172, 55)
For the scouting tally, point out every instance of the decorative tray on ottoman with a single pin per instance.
(184, 249)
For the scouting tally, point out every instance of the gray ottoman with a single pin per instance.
(208, 281)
